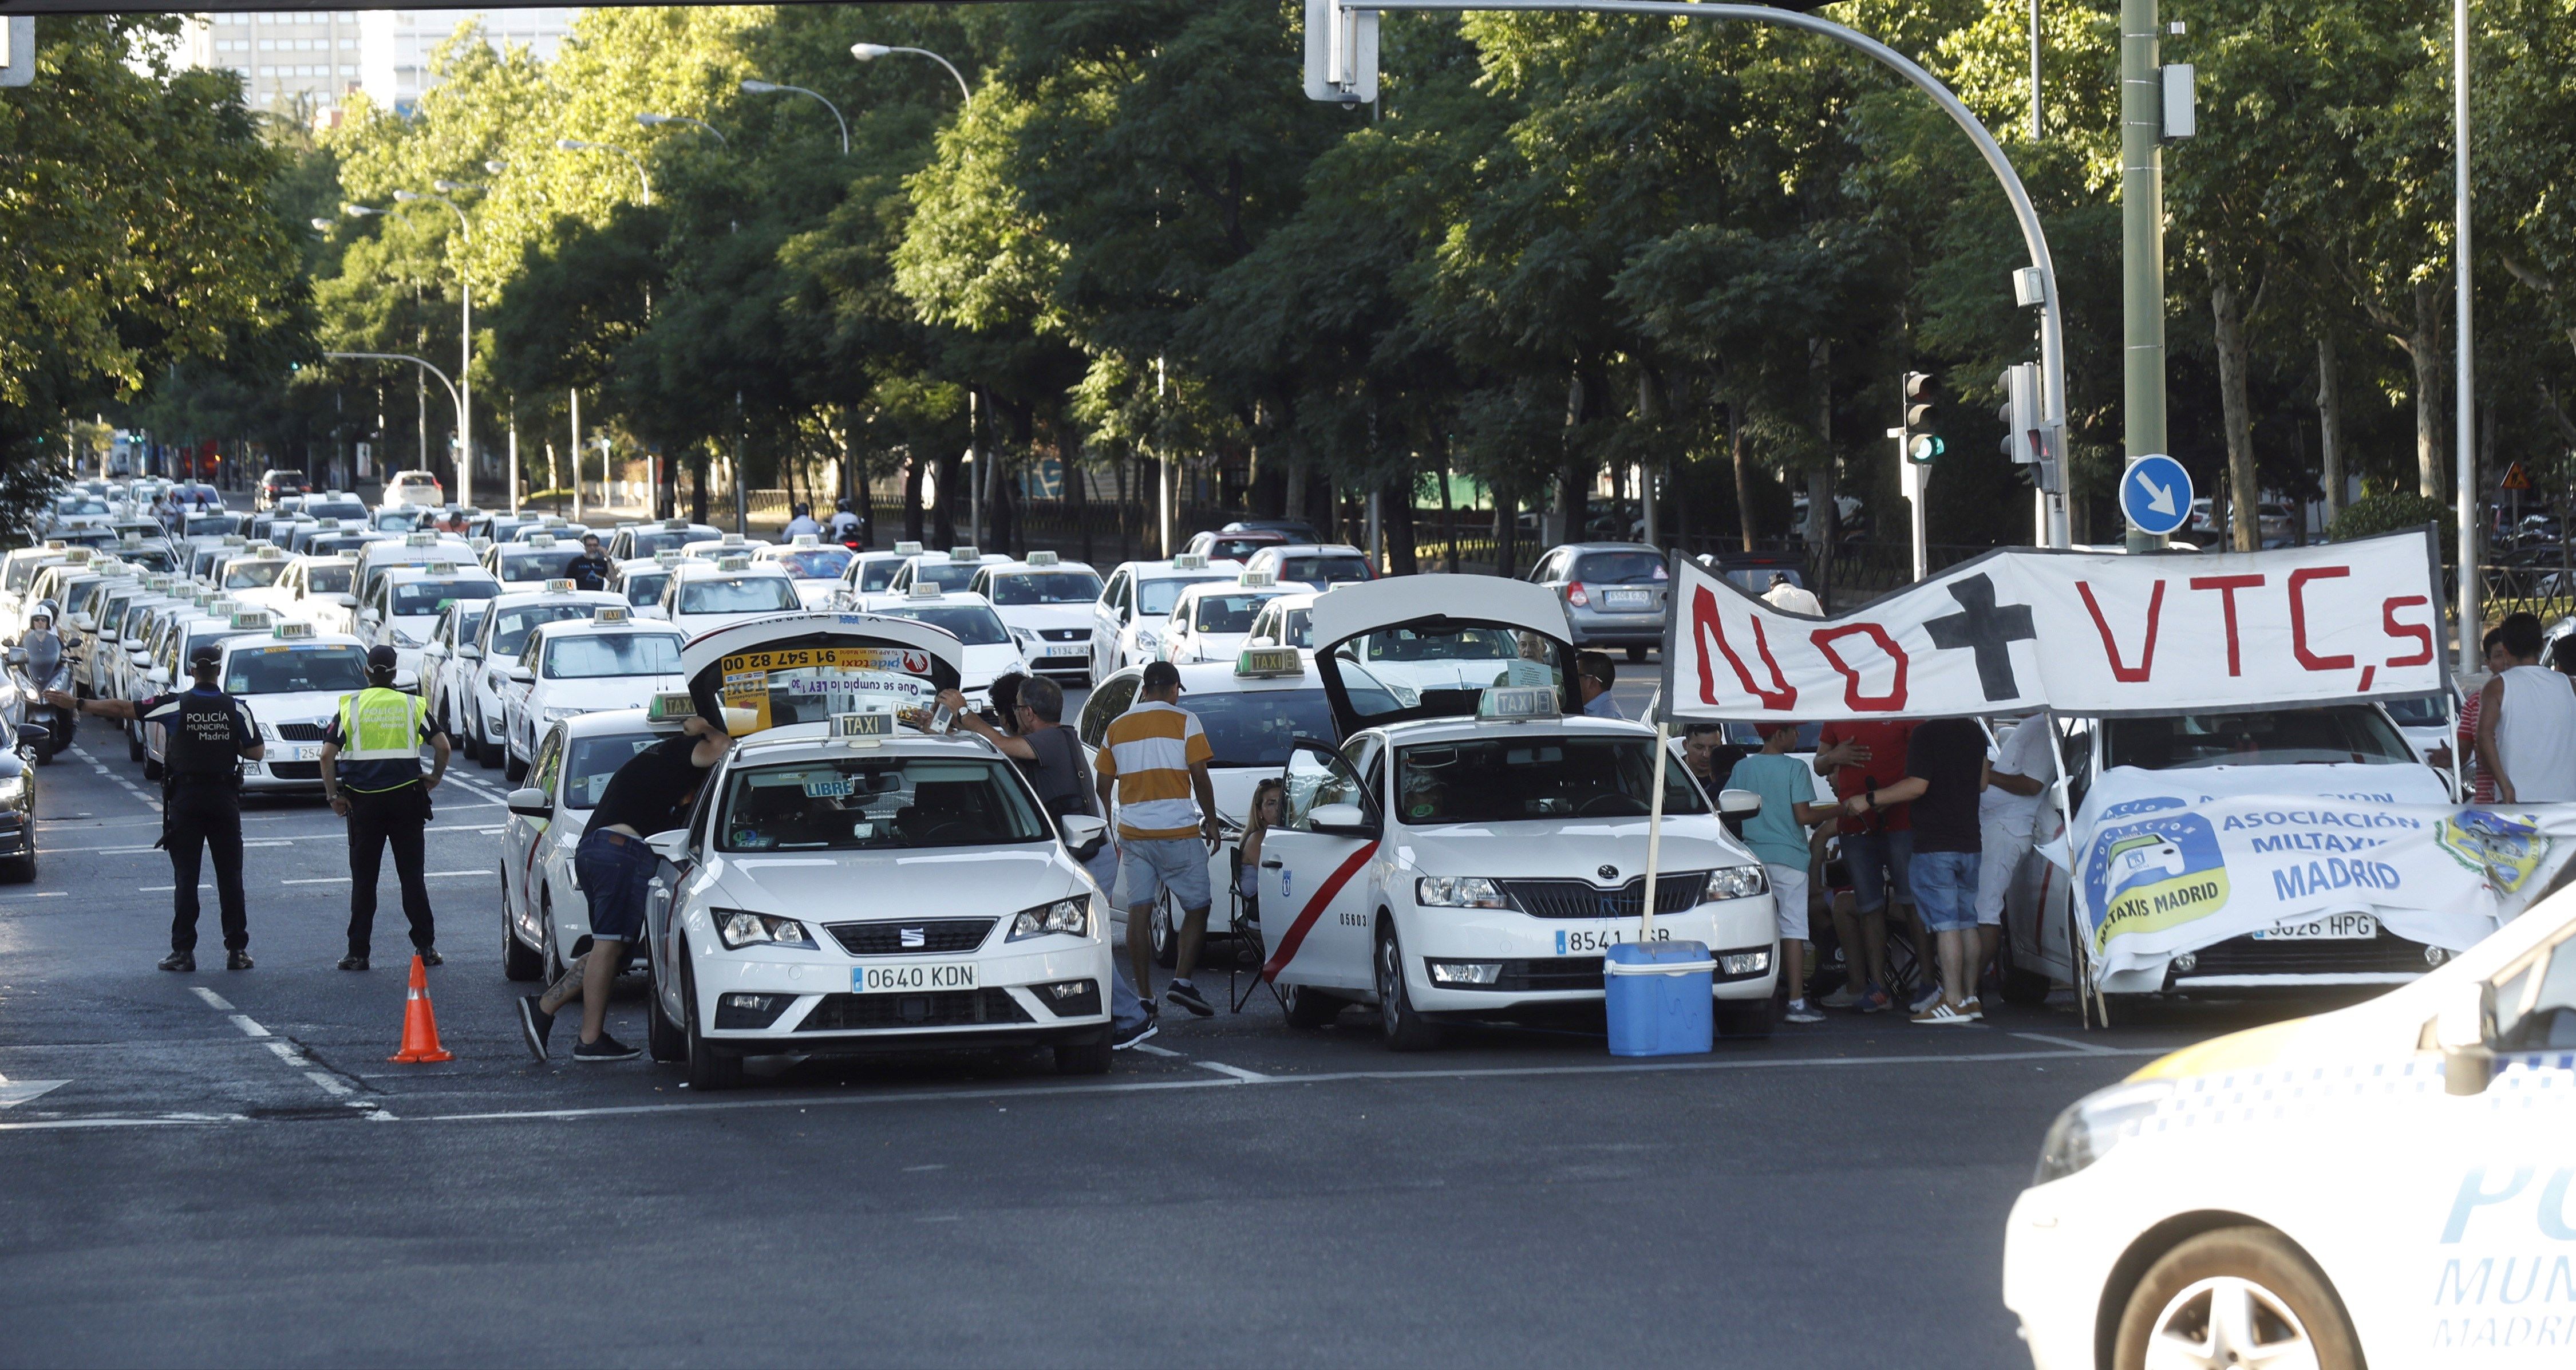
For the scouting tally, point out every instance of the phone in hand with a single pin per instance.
(942, 719)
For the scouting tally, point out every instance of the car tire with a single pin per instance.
(133, 743)
(1158, 925)
(2025, 988)
(1746, 1021)
(1637, 653)
(1399, 1022)
(151, 768)
(513, 769)
(664, 1040)
(23, 870)
(1308, 1007)
(519, 961)
(710, 1066)
(1083, 1058)
(2286, 1301)
(549, 955)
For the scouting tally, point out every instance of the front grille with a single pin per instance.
(1676, 892)
(299, 732)
(1064, 634)
(2330, 956)
(295, 770)
(1548, 973)
(945, 1008)
(887, 939)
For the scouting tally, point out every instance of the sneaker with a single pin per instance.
(353, 961)
(1120, 1041)
(429, 957)
(1941, 1015)
(1972, 1008)
(535, 1024)
(1931, 995)
(1876, 1001)
(607, 1048)
(179, 961)
(1187, 995)
(1845, 997)
(239, 960)
(1800, 1013)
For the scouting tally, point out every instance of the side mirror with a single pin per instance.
(1736, 807)
(1080, 829)
(406, 680)
(134, 644)
(2459, 1032)
(367, 617)
(467, 651)
(157, 675)
(1348, 820)
(530, 803)
(523, 675)
(17, 656)
(672, 846)
(34, 734)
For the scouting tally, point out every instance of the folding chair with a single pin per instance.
(1243, 920)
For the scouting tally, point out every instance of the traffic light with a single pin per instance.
(2026, 431)
(1341, 53)
(1922, 393)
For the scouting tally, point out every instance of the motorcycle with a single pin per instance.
(43, 730)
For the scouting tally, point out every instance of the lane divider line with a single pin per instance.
(248, 1028)
(2088, 1048)
(1250, 1077)
(213, 1000)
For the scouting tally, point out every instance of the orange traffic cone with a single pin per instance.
(420, 1025)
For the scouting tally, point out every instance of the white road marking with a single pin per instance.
(2088, 1048)
(319, 880)
(165, 889)
(249, 1028)
(1152, 1050)
(1250, 1077)
(213, 1000)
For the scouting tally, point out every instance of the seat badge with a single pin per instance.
(1608, 872)
(914, 939)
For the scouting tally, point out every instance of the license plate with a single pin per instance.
(1629, 599)
(1571, 941)
(912, 977)
(2334, 926)
(1070, 649)
(302, 753)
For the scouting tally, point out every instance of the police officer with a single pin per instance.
(371, 775)
(589, 571)
(802, 522)
(846, 525)
(209, 734)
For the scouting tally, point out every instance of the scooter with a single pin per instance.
(45, 730)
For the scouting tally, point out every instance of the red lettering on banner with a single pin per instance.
(2299, 618)
(2227, 586)
(2422, 634)
(1891, 702)
(2126, 675)
(1707, 625)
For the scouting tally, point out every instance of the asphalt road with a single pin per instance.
(223, 1168)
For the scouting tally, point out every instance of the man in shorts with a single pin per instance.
(651, 793)
(1778, 836)
(1154, 759)
(1945, 765)
(2006, 813)
(1877, 846)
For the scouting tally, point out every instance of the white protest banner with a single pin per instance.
(2078, 632)
(2173, 861)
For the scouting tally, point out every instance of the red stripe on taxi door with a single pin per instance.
(1296, 934)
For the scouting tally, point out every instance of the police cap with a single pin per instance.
(381, 660)
(204, 654)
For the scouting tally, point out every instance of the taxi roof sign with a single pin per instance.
(479, 543)
(326, 524)
(610, 613)
(421, 539)
(730, 540)
(1190, 561)
(668, 558)
(1517, 703)
(806, 540)
(733, 563)
(1258, 663)
(864, 727)
(292, 631)
(560, 587)
(253, 618)
(675, 525)
(77, 556)
(1042, 558)
(901, 549)
(1257, 580)
(235, 540)
(965, 555)
(669, 709)
(924, 589)
(541, 539)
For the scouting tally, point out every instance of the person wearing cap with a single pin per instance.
(208, 735)
(589, 571)
(371, 775)
(1156, 757)
(1790, 595)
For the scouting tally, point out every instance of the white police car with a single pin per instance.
(715, 592)
(990, 652)
(2389, 1184)
(1474, 853)
(544, 919)
(476, 685)
(292, 680)
(607, 661)
(849, 886)
(1212, 621)
(1046, 603)
(1128, 619)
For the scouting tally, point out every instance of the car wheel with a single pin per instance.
(1083, 1058)
(518, 960)
(665, 1040)
(1310, 1008)
(23, 870)
(513, 769)
(2026, 988)
(549, 954)
(1750, 1020)
(1402, 1025)
(133, 743)
(2235, 1296)
(1167, 945)
(710, 1066)
(151, 768)
(1636, 654)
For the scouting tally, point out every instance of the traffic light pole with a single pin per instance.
(2052, 330)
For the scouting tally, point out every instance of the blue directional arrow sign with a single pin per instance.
(2156, 495)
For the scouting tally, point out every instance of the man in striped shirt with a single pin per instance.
(1155, 756)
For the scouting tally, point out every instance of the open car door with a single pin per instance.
(804, 668)
(1439, 642)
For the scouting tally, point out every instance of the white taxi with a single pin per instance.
(642, 580)
(476, 687)
(609, 660)
(292, 680)
(705, 595)
(1474, 854)
(532, 561)
(953, 569)
(1213, 621)
(2387, 1184)
(869, 573)
(815, 565)
(847, 886)
(1046, 603)
(666, 535)
(545, 921)
(222, 621)
(407, 601)
(989, 650)
(1128, 619)
(1286, 621)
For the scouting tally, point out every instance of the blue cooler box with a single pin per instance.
(1657, 997)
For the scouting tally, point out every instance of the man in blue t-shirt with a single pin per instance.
(1778, 837)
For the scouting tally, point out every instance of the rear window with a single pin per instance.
(422, 598)
(253, 575)
(971, 624)
(1045, 587)
(647, 541)
(329, 580)
(543, 563)
(737, 595)
(815, 563)
(613, 654)
(510, 631)
(1621, 568)
(1325, 570)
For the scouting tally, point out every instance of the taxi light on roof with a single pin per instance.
(806, 540)
(675, 525)
(222, 605)
(235, 540)
(55, 544)
(560, 587)
(253, 619)
(134, 539)
(733, 563)
(667, 558)
(624, 524)
(326, 524)
(865, 727)
(1042, 558)
(420, 539)
(1517, 703)
(1259, 662)
(78, 556)
(609, 613)
(1257, 580)
(901, 549)
(479, 543)
(731, 540)
(924, 589)
(541, 539)
(670, 709)
(292, 632)
(1190, 561)
(965, 555)
(260, 548)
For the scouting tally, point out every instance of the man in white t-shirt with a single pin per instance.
(2017, 773)
(1789, 595)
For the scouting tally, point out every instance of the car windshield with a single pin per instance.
(1505, 779)
(1620, 568)
(290, 669)
(647, 541)
(393, 520)
(329, 580)
(205, 525)
(543, 563)
(286, 478)
(592, 656)
(1045, 587)
(877, 804)
(2422, 711)
(423, 598)
(1227, 613)
(1486, 646)
(1158, 596)
(1324, 570)
(874, 576)
(742, 594)
(590, 761)
(645, 587)
(150, 558)
(953, 575)
(1257, 727)
(511, 627)
(335, 509)
(469, 619)
(81, 506)
(814, 563)
(2339, 733)
(256, 574)
(972, 624)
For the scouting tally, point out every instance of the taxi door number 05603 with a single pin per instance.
(912, 977)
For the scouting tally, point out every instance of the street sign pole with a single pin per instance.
(2142, 245)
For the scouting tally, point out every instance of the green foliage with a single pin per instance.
(2394, 512)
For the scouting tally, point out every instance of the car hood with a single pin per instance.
(865, 886)
(1566, 849)
(312, 706)
(1036, 616)
(983, 664)
(611, 692)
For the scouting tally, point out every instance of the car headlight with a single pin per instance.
(741, 928)
(1028, 640)
(1147, 639)
(13, 788)
(1459, 892)
(403, 639)
(1070, 915)
(555, 715)
(2094, 1124)
(1735, 882)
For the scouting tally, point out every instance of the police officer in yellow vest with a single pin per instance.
(371, 775)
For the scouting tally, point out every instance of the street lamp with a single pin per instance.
(580, 145)
(651, 120)
(453, 187)
(869, 52)
(465, 362)
(496, 166)
(773, 88)
(321, 225)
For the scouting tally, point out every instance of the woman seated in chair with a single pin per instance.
(1268, 797)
